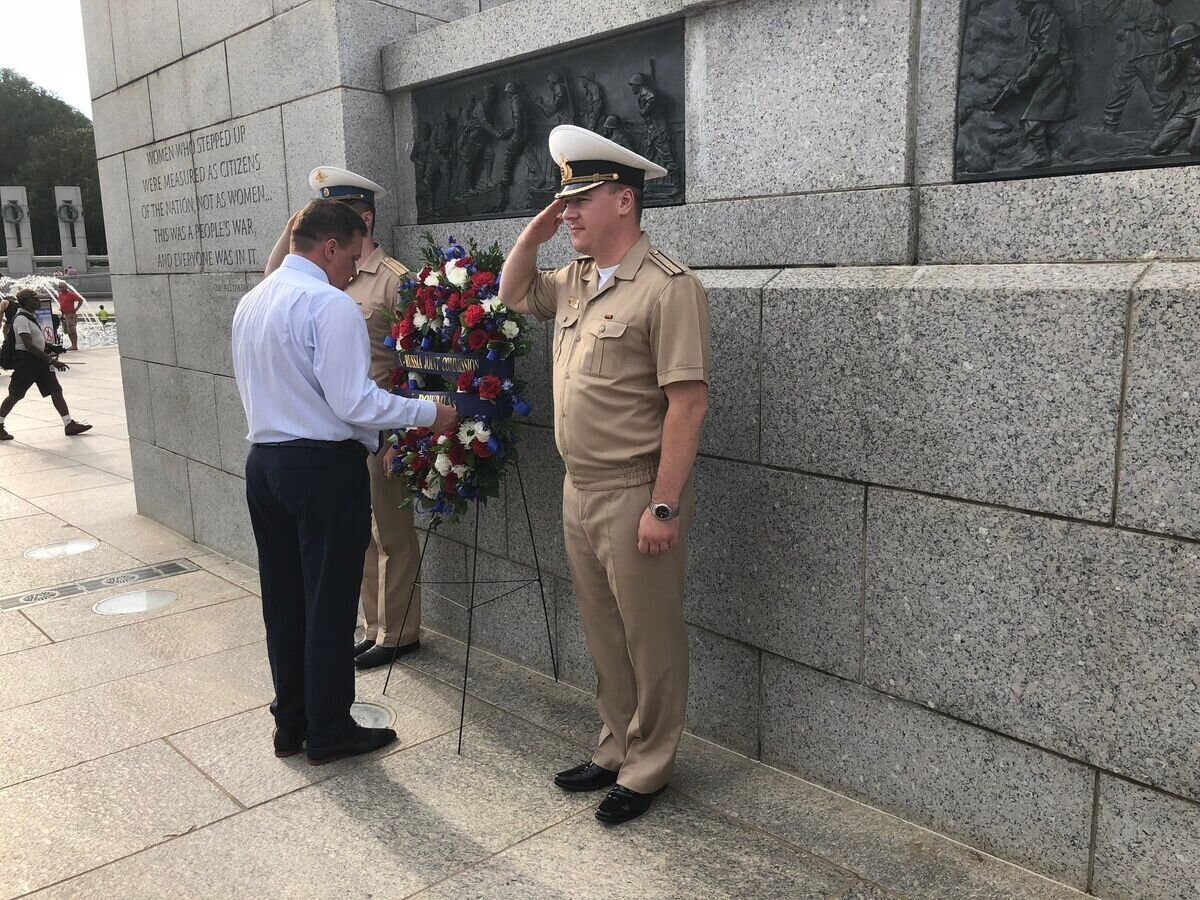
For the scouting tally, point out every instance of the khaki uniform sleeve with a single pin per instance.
(681, 333)
(544, 290)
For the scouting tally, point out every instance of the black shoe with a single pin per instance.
(4, 435)
(287, 745)
(585, 777)
(357, 742)
(622, 804)
(73, 428)
(381, 656)
(362, 647)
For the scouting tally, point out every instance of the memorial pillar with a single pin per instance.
(72, 236)
(18, 236)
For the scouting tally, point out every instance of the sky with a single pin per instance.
(43, 40)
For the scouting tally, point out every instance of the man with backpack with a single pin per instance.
(24, 351)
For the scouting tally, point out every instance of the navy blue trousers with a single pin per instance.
(311, 512)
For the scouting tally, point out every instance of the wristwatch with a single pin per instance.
(664, 512)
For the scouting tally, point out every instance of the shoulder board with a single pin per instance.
(665, 262)
(396, 268)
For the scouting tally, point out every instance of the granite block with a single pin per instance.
(513, 626)
(184, 406)
(18, 633)
(1009, 799)
(442, 571)
(831, 75)
(438, 10)
(163, 206)
(913, 377)
(121, 119)
(147, 330)
(118, 225)
(49, 828)
(219, 20)
(902, 857)
(519, 28)
(1147, 844)
(202, 308)
(682, 850)
(146, 36)
(219, 510)
(191, 92)
(543, 472)
(1131, 215)
(788, 577)
(242, 196)
(160, 481)
(403, 138)
(13, 507)
(306, 36)
(231, 427)
(850, 228)
(370, 151)
(1080, 639)
(97, 34)
(314, 135)
(1159, 489)
(937, 91)
(135, 376)
(574, 661)
(493, 532)
(731, 428)
(723, 691)
(364, 28)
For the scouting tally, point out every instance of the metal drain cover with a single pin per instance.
(66, 548)
(372, 715)
(135, 602)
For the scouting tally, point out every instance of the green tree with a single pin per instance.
(44, 142)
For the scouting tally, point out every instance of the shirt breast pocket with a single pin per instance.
(607, 346)
(565, 329)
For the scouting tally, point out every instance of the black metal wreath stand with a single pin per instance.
(475, 583)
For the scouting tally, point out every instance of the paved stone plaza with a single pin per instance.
(137, 762)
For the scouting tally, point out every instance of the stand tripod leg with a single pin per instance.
(538, 566)
(462, 714)
(411, 593)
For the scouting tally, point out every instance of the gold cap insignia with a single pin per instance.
(320, 175)
(566, 170)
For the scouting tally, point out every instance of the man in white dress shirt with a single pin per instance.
(301, 357)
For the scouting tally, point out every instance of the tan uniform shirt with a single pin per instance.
(374, 290)
(614, 350)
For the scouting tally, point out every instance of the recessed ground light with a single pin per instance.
(372, 715)
(135, 602)
(66, 548)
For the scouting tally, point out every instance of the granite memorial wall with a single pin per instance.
(947, 552)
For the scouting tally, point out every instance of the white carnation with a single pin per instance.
(431, 280)
(442, 463)
(492, 306)
(510, 329)
(431, 490)
(466, 433)
(457, 276)
(419, 320)
(460, 471)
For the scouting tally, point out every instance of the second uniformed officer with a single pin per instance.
(631, 371)
(393, 556)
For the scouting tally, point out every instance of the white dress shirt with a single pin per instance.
(302, 361)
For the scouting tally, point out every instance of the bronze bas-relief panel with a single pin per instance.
(1068, 86)
(479, 149)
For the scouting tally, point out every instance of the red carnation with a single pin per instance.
(477, 340)
(408, 342)
(473, 316)
(454, 338)
(489, 387)
(428, 307)
(405, 328)
(458, 456)
(480, 449)
(466, 262)
(466, 382)
(411, 310)
(449, 482)
(479, 279)
(454, 302)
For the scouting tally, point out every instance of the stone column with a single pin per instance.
(72, 237)
(14, 208)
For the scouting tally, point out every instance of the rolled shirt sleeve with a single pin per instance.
(680, 332)
(542, 298)
(342, 365)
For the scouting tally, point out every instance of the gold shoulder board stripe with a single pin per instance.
(665, 263)
(395, 267)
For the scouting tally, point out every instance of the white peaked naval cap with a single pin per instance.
(332, 183)
(588, 159)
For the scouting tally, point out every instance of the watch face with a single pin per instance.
(662, 511)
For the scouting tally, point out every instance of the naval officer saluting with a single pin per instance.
(631, 370)
(301, 357)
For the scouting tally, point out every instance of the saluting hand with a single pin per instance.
(655, 536)
(545, 224)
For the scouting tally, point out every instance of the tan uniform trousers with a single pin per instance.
(631, 605)
(392, 563)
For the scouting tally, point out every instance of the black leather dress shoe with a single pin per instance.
(357, 742)
(585, 777)
(381, 656)
(362, 647)
(622, 804)
(287, 745)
